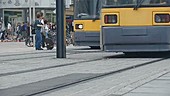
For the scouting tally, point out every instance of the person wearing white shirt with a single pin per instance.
(46, 29)
(9, 31)
(1, 30)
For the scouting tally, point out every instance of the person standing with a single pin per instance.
(46, 29)
(24, 32)
(1, 31)
(42, 30)
(18, 31)
(9, 31)
(38, 25)
(49, 43)
(28, 37)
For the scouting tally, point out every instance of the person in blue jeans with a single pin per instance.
(38, 25)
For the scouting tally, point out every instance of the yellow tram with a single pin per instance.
(87, 22)
(135, 25)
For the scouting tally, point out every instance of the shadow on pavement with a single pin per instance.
(142, 55)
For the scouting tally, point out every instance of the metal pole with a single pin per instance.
(60, 15)
(33, 21)
(33, 10)
(30, 19)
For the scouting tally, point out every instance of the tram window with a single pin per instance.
(120, 2)
(162, 18)
(126, 1)
(154, 1)
(84, 8)
(159, 2)
(110, 2)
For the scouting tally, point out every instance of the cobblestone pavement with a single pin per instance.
(157, 87)
(13, 47)
(25, 70)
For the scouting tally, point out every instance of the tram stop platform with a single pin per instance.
(22, 74)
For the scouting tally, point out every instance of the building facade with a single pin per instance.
(15, 11)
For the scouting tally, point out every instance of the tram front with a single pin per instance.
(135, 26)
(87, 22)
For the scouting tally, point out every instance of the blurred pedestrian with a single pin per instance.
(46, 28)
(24, 31)
(38, 25)
(48, 41)
(28, 37)
(9, 31)
(18, 31)
(42, 30)
(2, 31)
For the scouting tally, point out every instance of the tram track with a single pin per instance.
(47, 67)
(51, 51)
(39, 55)
(60, 65)
(26, 53)
(26, 58)
(87, 79)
